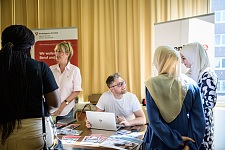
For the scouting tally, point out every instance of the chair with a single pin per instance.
(93, 98)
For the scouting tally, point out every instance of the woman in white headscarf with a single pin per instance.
(194, 56)
(173, 105)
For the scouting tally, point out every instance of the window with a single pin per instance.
(220, 16)
(217, 39)
(220, 90)
(223, 62)
(220, 39)
(218, 87)
(217, 16)
(223, 16)
(221, 86)
(219, 63)
(223, 40)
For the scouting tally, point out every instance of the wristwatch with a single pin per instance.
(66, 102)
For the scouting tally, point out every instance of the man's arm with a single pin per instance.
(99, 110)
(140, 119)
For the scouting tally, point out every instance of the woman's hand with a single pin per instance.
(60, 109)
(186, 147)
(185, 138)
(88, 124)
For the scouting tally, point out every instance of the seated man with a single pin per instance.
(125, 105)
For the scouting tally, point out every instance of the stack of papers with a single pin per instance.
(93, 140)
(70, 130)
(121, 142)
(69, 139)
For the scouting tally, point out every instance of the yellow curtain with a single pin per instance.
(113, 35)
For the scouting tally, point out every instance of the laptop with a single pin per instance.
(103, 120)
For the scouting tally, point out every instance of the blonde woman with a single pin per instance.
(68, 78)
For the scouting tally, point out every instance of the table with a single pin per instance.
(87, 132)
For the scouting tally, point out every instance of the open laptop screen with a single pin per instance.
(102, 120)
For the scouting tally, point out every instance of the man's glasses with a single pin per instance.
(119, 84)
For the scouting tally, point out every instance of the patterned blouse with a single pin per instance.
(208, 84)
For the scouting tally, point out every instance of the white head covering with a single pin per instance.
(169, 88)
(197, 57)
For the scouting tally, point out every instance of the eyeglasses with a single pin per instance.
(119, 84)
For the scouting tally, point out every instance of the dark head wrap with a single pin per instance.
(18, 36)
(16, 45)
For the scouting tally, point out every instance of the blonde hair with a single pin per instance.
(66, 47)
(169, 88)
(167, 61)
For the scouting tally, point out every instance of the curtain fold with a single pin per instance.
(113, 35)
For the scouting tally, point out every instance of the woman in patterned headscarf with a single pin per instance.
(20, 92)
(173, 105)
(194, 56)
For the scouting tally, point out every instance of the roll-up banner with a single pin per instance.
(46, 39)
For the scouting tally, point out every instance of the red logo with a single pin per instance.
(205, 46)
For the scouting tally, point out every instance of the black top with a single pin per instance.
(34, 99)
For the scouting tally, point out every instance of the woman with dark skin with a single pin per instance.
(20, 92)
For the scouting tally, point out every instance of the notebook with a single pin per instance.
(103, 120)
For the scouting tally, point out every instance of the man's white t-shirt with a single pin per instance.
(126, 106)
